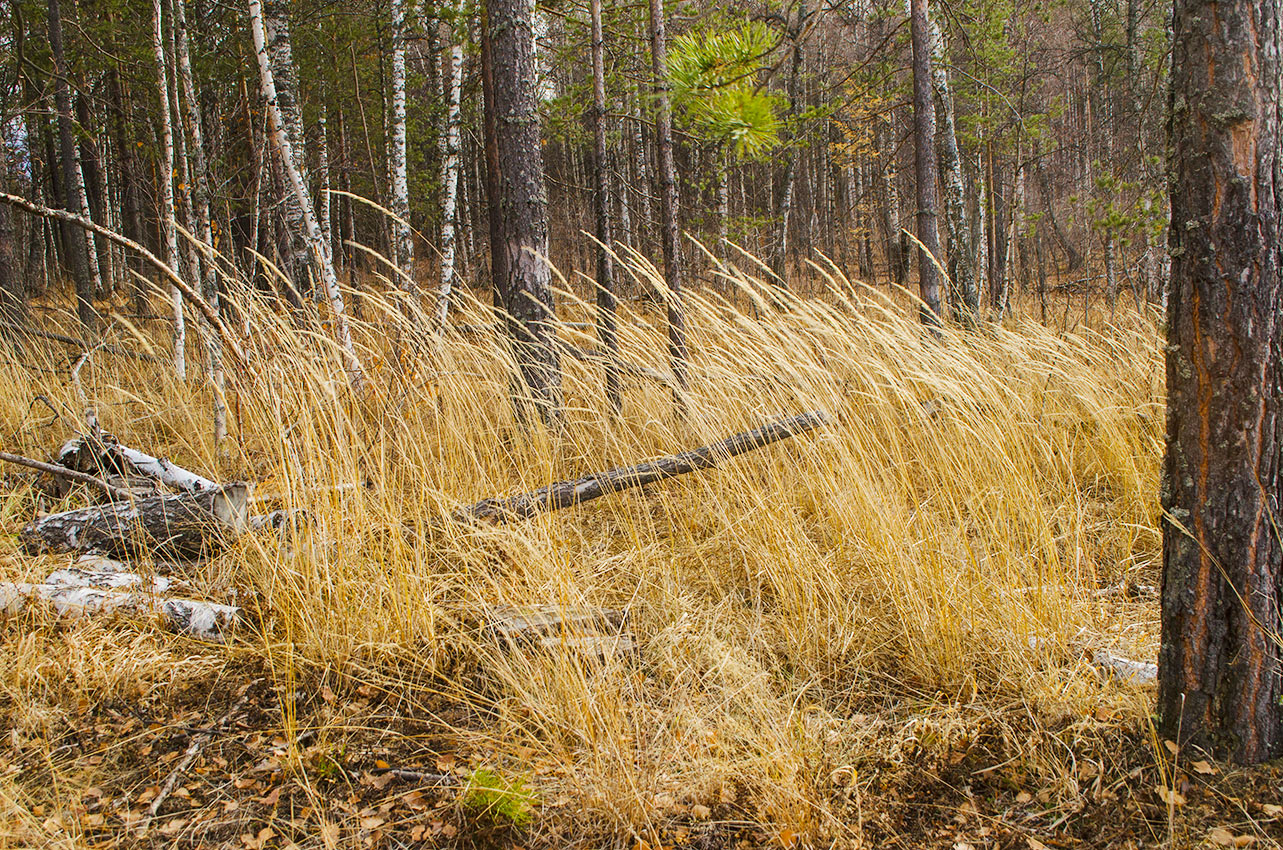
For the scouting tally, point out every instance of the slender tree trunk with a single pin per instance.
(13, 301)
(323, 166)
(450, 173)
(780, 253)
(606, 303)
(320, 249)
(1220, 673)
(297, 260)
(520, 204)
(79, 247)
(668, 195)
(964, 296)
(924, 132)
(200, 204)
(167, 222)
(400, 183)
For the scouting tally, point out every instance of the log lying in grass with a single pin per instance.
(108, 457)
(564, 494)
(179, 525)
(589, 632)
(1141, 673)
(206, 620)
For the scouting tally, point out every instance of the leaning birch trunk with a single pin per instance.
(167, 223)
(173, 525)
(200, 200)
(963, 295)
(404, 252)
(564, 494)
(320, 250)
(450, 176)
(207, 620)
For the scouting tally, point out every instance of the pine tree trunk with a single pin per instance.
(312, 232)
(606, 302)
(924, 132)
(668, 195)
(79, 246)
(519, 206)
(1220, 674)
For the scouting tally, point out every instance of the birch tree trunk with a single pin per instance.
(606, 302)
(295, 250)
(200, 203)
(320, 249)
(323, 166)
(924, 132)
(964, 296)
(167, 222)
(400, 184)
(791, 156)
(450, 173)
(668, 195)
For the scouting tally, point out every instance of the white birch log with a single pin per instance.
(106, 455)
(109, 580)
(181, 525)
(320, 249)
(207, 620)
(1142, 673)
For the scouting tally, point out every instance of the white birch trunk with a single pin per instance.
(320, 249)
(323, 165)
(963, 294)
(167, 193)
(200, 201)
(450, 177)
(400, 183)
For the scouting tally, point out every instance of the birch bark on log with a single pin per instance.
(174, 525)
(208, 620)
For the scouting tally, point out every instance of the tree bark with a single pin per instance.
(450, 172)
(79, 243)
(400, 181)
(312, 232)
(520, 205)
(606, 301)
(924, 132)
(668, 194)
(297, 258)
(964, 295)
(1221, 679)
(167, 221)
(780, 254)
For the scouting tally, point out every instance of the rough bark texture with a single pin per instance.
(521, 205)
(606, 301)
(564, 494)
(207, 620)
(1221, 678)
(296, 259)
(450, 176)
(167, 225)
(964, 296)
(924, 155)
(179, 526)
(400, 179)
(667, 193)
(78, 242)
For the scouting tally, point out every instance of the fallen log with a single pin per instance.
(564, 494)
(63, 472)
(207, 620)
(174, 525)
(107, 456)
(114, 580)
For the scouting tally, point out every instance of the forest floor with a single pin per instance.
(877, 634)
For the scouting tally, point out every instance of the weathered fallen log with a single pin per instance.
(564, 494)
(173, 525)
(106, 456)
(207, 620)
(63, 472)
(114, 580)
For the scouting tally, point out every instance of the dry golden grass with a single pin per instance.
(813, 617)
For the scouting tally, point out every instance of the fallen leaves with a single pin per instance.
(1222, 837)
